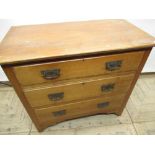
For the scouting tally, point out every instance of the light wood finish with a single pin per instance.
(91, 121)
(81, 51)
(48, 41)
(79, 90)
(69, 69)
(83, 108)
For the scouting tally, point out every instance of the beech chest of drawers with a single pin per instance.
(75, 69)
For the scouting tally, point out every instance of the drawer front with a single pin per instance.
(61, 94)
(64, 70)
(78, 109)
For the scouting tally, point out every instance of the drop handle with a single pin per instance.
(56, 96)
(50, 74)
(59, 113)
(102, 105)
(108, 87)
(113, 65)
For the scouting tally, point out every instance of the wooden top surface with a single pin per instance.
(27, 43)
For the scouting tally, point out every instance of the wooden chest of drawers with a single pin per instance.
(69, 70)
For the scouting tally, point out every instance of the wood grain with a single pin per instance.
(40, 42)
(76, 68)
(78, 109)
(79, 90)
(80, 50)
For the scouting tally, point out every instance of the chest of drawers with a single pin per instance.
(70, 70)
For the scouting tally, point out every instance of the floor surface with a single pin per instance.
(138, 116)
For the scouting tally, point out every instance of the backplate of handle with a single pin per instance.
(103, 104)
(56, 96)
(59, 113)
(107, 87)
(50, 74)
(113, 65)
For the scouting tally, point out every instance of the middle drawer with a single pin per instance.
(62, 94)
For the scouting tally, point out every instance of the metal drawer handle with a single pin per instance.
(108, 87)
(56, 96)
(103, 105)
(113, 65)
(59, 113)
(50, 74)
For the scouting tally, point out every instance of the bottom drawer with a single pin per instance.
(52, 115)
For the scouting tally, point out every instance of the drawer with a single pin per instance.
(77, 68)
(61, 94)
(78, 109)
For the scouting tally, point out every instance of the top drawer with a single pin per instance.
(77, 68)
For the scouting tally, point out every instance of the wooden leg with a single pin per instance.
(119, 113)
(41, 129)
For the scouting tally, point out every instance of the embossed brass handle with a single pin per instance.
(103, 104)
(50, 74)
(107, 87)
(56, 96)
(113, 65)
(59, 113)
